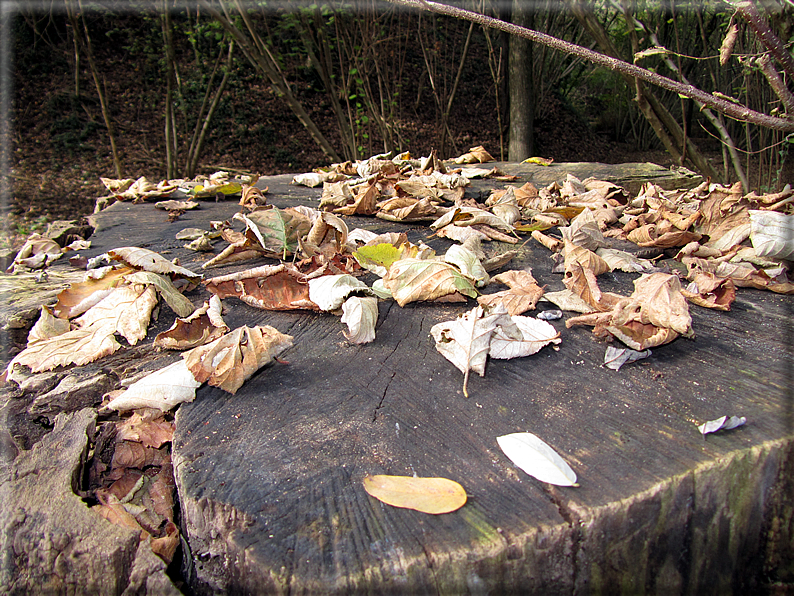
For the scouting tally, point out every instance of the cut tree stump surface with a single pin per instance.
(270, 479)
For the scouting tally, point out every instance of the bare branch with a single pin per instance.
(738, 112)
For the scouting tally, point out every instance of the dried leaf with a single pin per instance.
(586, 258)
(466, 341)
(173, 297)
(522, 296)
(127, 310)
(468, 263)
(79, 297)
(772, 234)
(360, 316)
(38, 251)
(726, 49)
(624, 261)
(535, 334)
(722, 423)
(151, 431)
(229, 361)
(537, 459)
(568, 300)
(272, 287)
(584, 231)
(47, 327)
(162, 390)
(330, 291)
(148, 260)
(617, 357)
(411, 280)
(475, 155)
(275, 230)
(201, 327)
(428, 495)
(710, 291)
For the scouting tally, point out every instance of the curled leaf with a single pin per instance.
(162, 390)
(360, 315)
(722, 423)
(428, 495)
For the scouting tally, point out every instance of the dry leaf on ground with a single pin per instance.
(412, 280)
(428, 495)
(203, 326)
(272, 287)
(522, 296)
(229, 361)
(360, 316)
(162, 390)
(537, 459)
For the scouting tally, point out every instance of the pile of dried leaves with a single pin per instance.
(721, 238)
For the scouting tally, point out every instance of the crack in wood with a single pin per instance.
(383, 397)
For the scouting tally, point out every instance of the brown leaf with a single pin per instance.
(203, 326)
(150, 429)
(411, 280)
(475, 155)
(586, 258)
(272, 287)
(81, 296)
(166, 546)
(364, 202)
(229, 361)
(710, 291)
(583, 283)
(428, 495)
(522, 296)
(132, 454)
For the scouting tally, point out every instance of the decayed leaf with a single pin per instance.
(201, 327)
(162, 390)
(614, 357)
(360, 316)
(722, 423)
(469, 216)
(38, 251)
(127, 310)
(229, 361)
(537, 459)
(586, 258)
(272, 287)
(428, 495)
(466, 341)
(173, 297)
(475, 155)
(710, 291)
(47, 327)
(624, 261)
(173, 205)
(150, 430)
(522, 296)
(330, 291)
(534, 335)
(411, 280)
(79, 297)
(148, 260)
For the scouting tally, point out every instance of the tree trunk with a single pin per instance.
(521, 91)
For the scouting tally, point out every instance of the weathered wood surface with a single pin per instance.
(269, 480)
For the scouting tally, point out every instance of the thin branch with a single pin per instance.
(738, 112)
(772, 42)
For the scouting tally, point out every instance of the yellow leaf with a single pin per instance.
(428, 495)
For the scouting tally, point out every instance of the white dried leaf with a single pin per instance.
(537, 459)
(162, 390)
(360, 316)
(330, 291)
(722, 423)
(617, 357)
(534, 334)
